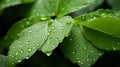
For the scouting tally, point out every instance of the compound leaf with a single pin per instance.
(78, 49)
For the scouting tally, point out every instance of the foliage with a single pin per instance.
(57, 28)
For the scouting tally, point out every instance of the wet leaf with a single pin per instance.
(106, 33)
(78, 49)
(57, 7)
(58, 29)
(27, 43)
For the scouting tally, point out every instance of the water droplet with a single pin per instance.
(73, 52)
(53, 46)
(70, 39)
(43, 17)
(88, 59)
(49, 43)
(100, 54)
(92, 51)
(21, 51)
(30, 31)
(60, 41)
(75, 33)
(118, 43)
(27, 22)
(85, 48)
(53, 27)
(29, 49)
(12, 56)
(48, 33)
(19, 61)
(27, 42)
(16, 53)
(79, 61)
(66, 35)
(114, 48)
(53, 14)
(20, 45)
(38, 44)
(33, 47)
(48, 53)
(27, 58)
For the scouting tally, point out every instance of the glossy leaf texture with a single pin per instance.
(58, 29)
(57, 7)
(19, 26)
(27, 43)
(101, 39)
(78, 49)
(3, 61)
(69, 6)
(97, 14)
(7, 3)
(106, 32)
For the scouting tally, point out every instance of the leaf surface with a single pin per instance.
(29, 40)
(58, 29)
(78, 49)
(106, 32)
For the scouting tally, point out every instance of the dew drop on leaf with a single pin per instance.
(48, 33)
(66, 35)
(19, 61)
(73, 52)
(29, 49)
(92, 51)
(43, 17)
(48, 43)
(16, 53)
(27, 58)
(30, 31)
(21, 51)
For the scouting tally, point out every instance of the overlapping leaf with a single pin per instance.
(106, 32)
(29, 40)
(19, 26)
(57, 7)
(58, 29)
(78, 49)
(101, 28)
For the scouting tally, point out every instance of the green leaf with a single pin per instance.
(78, 49)
(96, 14)
(19, 26)
(57, 7)
(107, 16)
(7, 3)
(3, 61)
(69, 6)
(58, 29)
(29, 40)
(104, 32)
